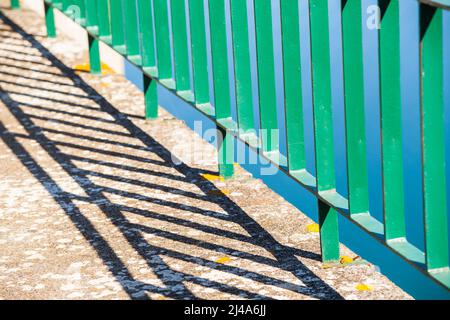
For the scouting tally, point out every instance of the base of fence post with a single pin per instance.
(15, 4)
(94, 55)
(225, 145)
(151, 98)
(329, 233)
(50, 20)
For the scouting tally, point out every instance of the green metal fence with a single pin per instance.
(146, 33)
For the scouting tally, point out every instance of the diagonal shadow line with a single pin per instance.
(112, 213)
(159, 267)
(18, 52)
(9, 73)
(129, 168)
(214, 231)
(167, 203)
(77, 125)
(90, 149)
(131, 286)
(46, 88)
(67, 113)
(109, 153)
(263, 279)
(239, 216)
(38, 71)
(89, 232)
(97, 140)
(32, 62)
(222, 249)
(145, 184)
(64, 102)
(16, 45)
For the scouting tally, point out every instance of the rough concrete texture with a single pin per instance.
(92, 207)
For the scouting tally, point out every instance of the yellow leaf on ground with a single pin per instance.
(363, 287)
(346, 259)
(86, 67)
(223, 260)
(313, 228)
(212, 177)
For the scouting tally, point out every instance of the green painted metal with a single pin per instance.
(266, 75)
(91, 7)
(242, 66)
(199, 53)
(151, 98)
(131, 32)
(323, 126)
(162, 39)
(77, 10)
(293, 85)
(358, 183)
(94, 55)
(103, 17)
(180, 44)
(221, 83)
(147, 44)
(433, 130)
(391, 121)
(225, 146)
(15, 4)
(117, 26)
(50, 20)
(222, 101)
(147, 36)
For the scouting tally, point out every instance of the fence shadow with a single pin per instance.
(47, 132)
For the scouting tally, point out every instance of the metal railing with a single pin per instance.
(147, 34)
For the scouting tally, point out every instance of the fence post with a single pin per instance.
(151, 98)
(50, 20)
(329, 232)
(222, 97)
(323, 126)
(94, 55)
(225, 146)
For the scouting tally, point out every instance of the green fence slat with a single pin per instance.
(180, 45)
(226, 153)
(117, 26)
(266, 74)
(15, 4)
(433, 131)
(131, 31)
(199, 52)
(323, 125)
(94, 55)
(358, 183)
(221, 83)
(50, 20)
(321, 72)
(242, 66)
(92, 16)
(391, 121)
(293, 85)
(104, 26)
(147, 36)
(151, 98)
(219, 59)
(162, 39)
